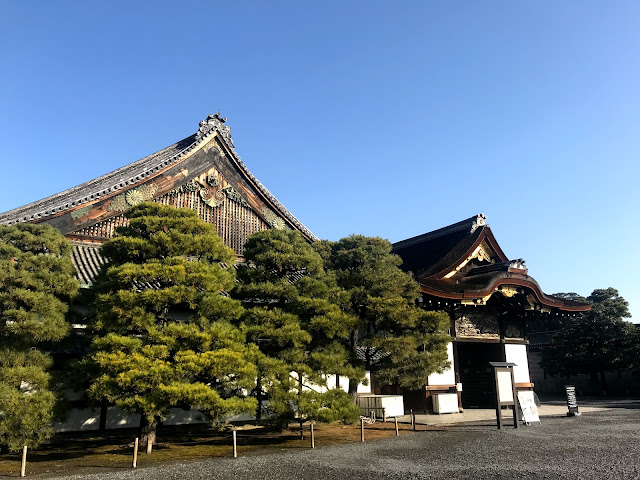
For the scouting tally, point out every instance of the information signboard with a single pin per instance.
(505, 390)
(528, 406)
(572, 402)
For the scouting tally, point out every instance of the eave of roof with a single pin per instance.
(483, 285)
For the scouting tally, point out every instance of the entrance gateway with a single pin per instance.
(490, 299)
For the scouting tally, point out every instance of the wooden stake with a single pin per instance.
(135, 453)
(362, 429)
(413, 420)
(313, 443)
(396, 419)
(384, 415)
(235, 445)
(23, 465)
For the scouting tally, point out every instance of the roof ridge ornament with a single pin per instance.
(480, 221)
(217, 122)
(518, 264)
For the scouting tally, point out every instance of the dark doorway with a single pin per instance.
(476, 375)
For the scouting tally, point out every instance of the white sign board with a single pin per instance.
(505, 388)
(528, 406)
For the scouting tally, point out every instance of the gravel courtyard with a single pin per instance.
(604, 444)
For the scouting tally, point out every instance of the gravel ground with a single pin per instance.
(598, 445)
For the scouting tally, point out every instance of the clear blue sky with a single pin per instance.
(380, 118)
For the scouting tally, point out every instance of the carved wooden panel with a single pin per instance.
(513, 330)
(477, 325)
(216, 202)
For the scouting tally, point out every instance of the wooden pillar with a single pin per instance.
(456, 360)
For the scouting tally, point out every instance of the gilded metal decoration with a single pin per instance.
(190, 186)
(508, 291)
(274, 220)
(481, 253)
(234, 196)
(212, 180)
(512, 331)
(203, 192)
(80, 212)
(278, 223)
(118, 204)
(212, 201)
(133, 197)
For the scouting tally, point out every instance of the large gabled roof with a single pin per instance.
(124, 179)
(443, 263)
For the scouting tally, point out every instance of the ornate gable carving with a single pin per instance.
(483, 254)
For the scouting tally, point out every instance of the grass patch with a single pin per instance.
(91, 452)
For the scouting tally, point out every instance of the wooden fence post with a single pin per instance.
(135, 452)
(313, 443)
(396, 419)
(362, 429)
(23, 465)
(235, 445)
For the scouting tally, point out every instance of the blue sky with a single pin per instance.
(380, 118)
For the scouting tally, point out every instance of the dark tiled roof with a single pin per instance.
(87, 260)
(136, 172)
(432, 252)
(539, 339)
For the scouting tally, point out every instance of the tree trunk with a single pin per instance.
(259, 399)
(300, 414)
(595, 383)
(603, 381)
(148, 431)
(353, 383)
(103, 415)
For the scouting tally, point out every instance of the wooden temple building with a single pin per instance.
(201, 172)
(462, 270)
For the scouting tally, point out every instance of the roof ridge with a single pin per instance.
(471, 223)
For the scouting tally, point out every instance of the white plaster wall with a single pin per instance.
(447, 377)
(393, 405)
(362, 388)
(518, 354)
(117, 418)
(79, 420)
(178, 416)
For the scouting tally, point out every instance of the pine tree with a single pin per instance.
(37, 278)
(596, 341)
(293, 315)
(393, 338)
(163, 325)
